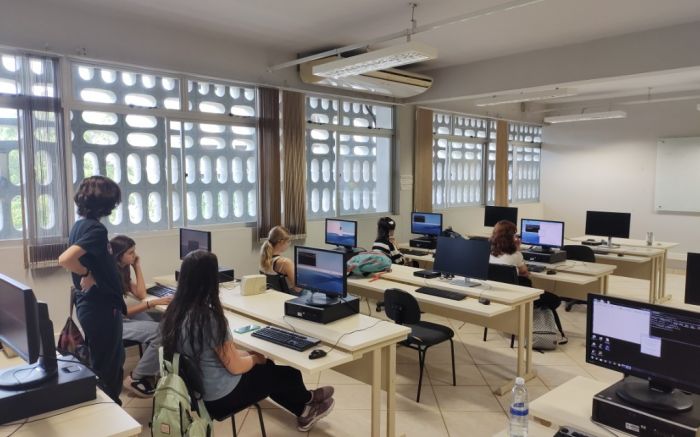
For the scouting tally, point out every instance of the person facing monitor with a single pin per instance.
(494, 214)
(461, 257)
(341, 233)
(656, 347)
(426, 223)
(192, 239)
(608, 224)
(322, 272)
(543, 233)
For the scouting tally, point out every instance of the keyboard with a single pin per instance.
(160, 291)
(286, 338)
(536, 268)
(447, 294)
(415, 252)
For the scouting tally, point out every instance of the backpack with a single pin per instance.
(173, 414)
(365, 263)
(545, 335)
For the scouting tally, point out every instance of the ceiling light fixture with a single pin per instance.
(389, 57)
(526, 97)
(585, 117)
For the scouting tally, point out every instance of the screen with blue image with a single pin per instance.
(426, 223)
(341, 232)
(543, 233)
(320, 270)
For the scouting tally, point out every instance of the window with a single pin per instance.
(524, 147)
(458, 159)
(349, 156)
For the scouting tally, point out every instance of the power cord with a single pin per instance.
(605, 428)
(352, 332)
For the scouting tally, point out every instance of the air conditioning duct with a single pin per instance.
(391, 82)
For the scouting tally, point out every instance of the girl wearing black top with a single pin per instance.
(99, 305)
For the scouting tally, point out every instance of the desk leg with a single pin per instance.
(522, 335)
(524, 358)
(662, 297)
(653, 285)
(604, 284)
(529, 308)
(376, 390)
(390, 358)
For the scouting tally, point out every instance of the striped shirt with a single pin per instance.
(388, 249)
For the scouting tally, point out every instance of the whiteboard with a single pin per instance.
(677, 175)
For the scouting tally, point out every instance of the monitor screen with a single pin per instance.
(543, 233)
(426, 223)
(692, 279)
(320, 270)
(652, 342)
(494, 214)
(608, 224)
(341, 232)
(19, 320)
(460, 257)
(191, 240)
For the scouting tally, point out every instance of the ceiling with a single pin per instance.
(306, 25)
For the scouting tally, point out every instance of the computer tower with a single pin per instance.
(300, 308)
(692, 279)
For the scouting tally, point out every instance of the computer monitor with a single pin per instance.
(658, 345)
(426, 223)
(692, 279)
(192, 239)
(543, 233)
(608, 224)
(342, 233)
(322, 272)
(26, 328)
(460, 257)
(494, 214)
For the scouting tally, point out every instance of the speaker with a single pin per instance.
(253, 284)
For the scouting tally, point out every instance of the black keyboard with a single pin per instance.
(286, 338)
(414, 252)
(447, 294)
(536, 268)
(160, 291)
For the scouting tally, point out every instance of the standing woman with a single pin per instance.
(99, 305)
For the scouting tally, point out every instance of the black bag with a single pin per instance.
(71, 340)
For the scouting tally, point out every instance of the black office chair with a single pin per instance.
(578, 252)
(507, 274)
(130, 343)
(403, 309)
(278, 282)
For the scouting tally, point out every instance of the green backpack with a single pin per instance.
(172, 411)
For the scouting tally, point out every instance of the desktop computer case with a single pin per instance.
(298, 307)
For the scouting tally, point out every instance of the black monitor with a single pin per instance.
(322, 272)
(544, 233)
(608, 224)
(192, 239)
(494, 214)
(25, 327)
(692, 279)
(460, 257)
(426, 223)
(342, 233)
(658, 346)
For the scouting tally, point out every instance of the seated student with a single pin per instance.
(232, 379)
(271, 259)
(138, 325)
(505, 249)
(385, 241)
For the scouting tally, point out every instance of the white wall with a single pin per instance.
(609, 165)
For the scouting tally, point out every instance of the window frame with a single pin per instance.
(513, 144)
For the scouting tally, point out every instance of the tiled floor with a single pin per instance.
(468, 409)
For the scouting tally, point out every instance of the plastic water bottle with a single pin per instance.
(519, 409)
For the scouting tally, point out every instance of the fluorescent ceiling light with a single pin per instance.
(394, 56)
(585, 117)
(526, 97)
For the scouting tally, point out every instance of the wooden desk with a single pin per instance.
(368, 355)
(510, 310)
(100, 417)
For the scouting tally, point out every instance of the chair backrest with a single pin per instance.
(503, 273)
(401, 307)
(579, 252)
(277, 282)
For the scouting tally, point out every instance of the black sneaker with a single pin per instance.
(313, 413)
(142, 388)
(321, 394)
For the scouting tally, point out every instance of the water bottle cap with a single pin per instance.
(519, 381)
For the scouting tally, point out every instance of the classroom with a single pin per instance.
(371, 131)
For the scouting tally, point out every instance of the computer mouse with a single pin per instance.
(484, 301)
(551, 272)
(317, 353)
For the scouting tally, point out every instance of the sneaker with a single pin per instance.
(321, 394)
(142, 388)
(313, 413)
(563, 340)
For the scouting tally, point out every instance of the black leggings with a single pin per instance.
(282, 384)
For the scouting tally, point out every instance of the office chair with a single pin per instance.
(403, 309)
(130, 343)
(277, 282)
(577, 252)
(507, 274)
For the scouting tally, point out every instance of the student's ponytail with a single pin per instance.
(277, 235)
(266, 257)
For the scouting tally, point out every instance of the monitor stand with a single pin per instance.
(652, 395)
(609, 244)
(466, 282)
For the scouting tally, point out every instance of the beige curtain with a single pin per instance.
(501, 195)
(269, 207)
(294, 162)
(423, 161)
